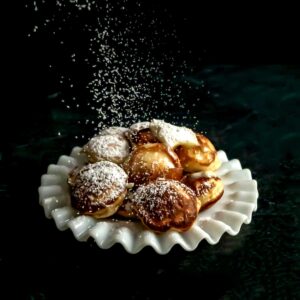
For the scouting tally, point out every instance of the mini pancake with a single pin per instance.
(151, 161)
(114, 148)
(208, 187)
(199, 158)
(140, 137)
(140, 133)
(165, 204)
(98, 189)
(172, 136)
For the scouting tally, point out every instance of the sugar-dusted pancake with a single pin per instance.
(98, 189)
(165, 204)
(110, 147)
(199, 158)
(207, 185)
(148, 162)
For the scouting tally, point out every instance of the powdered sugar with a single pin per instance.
(114, 130)
(117, 61)
(156, 199)
(139, 126)
(107, 147)
(171, 135)
(104, 179)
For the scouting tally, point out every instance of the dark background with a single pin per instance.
(249, 60)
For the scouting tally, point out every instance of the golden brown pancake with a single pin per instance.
(140, 137)
(110, 147)
(172, 136)
(199, 158)
(151, 161)
(165, 204)
(208, 187)
(98, 189)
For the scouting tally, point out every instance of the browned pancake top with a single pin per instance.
(165, 204)
(97, 185)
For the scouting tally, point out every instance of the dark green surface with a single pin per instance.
(252, 113)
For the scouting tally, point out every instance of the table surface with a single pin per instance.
(250, 111)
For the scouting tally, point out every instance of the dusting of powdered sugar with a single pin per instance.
(108, 147)
(139, 126)
(151, 200)
(104, 179)
(171, 135)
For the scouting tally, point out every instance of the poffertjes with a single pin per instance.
(155, 172)
(98, 189)
(165, 204)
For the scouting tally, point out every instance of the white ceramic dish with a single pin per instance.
(227, 215)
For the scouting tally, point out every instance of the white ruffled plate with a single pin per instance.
(227, 215)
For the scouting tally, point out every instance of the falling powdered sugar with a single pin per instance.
(123, 60)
